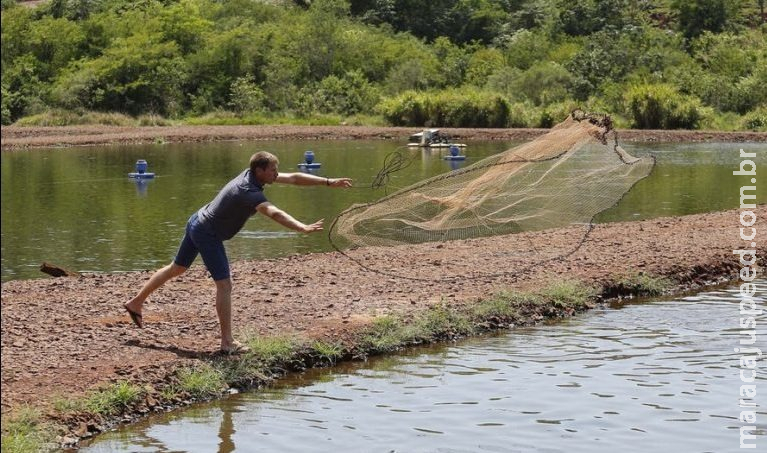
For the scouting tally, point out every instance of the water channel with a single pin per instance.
(645, 376)
(77, 208)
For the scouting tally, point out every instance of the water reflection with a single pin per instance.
(647, 376)
(226, 431)
(142, 186)
(456, 164)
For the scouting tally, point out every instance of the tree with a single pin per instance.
(697, 16)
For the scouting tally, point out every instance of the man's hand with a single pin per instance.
(316, 226)
(340, 182)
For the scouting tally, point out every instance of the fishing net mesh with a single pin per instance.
(560, 180)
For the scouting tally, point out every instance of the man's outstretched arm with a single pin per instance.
(305, 179)
(286, 220)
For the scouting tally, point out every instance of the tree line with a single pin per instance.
(460, 63)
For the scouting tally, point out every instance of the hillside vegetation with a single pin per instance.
(452, 63)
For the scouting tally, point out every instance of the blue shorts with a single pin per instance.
(200, 239)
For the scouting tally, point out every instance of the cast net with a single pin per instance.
(556, 183)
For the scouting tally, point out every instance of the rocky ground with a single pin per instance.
(64, 336)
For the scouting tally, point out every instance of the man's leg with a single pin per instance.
(157, 279)
(224, 311)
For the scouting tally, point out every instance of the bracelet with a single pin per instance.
(327, 181)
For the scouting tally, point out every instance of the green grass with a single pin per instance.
(25, 432)
(202, 381)
(113, 399)
(226, 118)
(327, 352)
(272, 351)
(569, 294)
(643, 284)
(498, 307)
(441, 321)
(385, 334)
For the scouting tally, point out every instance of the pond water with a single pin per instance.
(645, 376)
(77, 208)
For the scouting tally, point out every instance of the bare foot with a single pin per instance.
(134, 316)
(235, 348)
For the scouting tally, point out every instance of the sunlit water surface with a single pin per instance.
(77, 208)
(656, 376)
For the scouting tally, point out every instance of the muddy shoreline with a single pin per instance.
(16, 137)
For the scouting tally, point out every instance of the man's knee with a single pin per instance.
(177, 269)
(225, 284)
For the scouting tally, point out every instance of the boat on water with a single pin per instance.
(432, 138)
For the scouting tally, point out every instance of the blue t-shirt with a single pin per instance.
(233, 205)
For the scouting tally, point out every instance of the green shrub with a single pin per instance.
(61, 117)
(449, 108)
(661, 106)
(246, 96)
(756, 120)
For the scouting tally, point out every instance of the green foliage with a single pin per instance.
(448, 108)
(328, 60)
(697, 16)
(25, 432)
(569, 294)
(386, 334)
(482, 64)
(113, 399)
(440, 321)
(327, 352)
(246, 96)
(272, 350)
(346, 95)
(61, 117)
(201, 382)
(134, 75)
(542, 84)
(756, 120)
(729, 72)
(643, 284)
(661, 106)
(589, 16)
(526, 47)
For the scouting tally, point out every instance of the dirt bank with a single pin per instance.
(14, 137)
(65, 336)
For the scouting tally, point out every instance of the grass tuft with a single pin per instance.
(271, 351)
(569, 294)
(327, 352)
(440, 321)
(113, 399)
(25, 432)
(202, 381)
(385, 334)
(642, 284)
